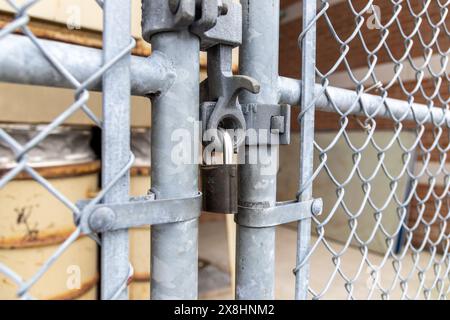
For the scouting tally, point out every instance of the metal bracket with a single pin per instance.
(218, 24)
(281, 213)
(138, 211)
(213, 21)
(166, 15)
(221, 90)
(275, 119)
(227, 28)
(209, 17)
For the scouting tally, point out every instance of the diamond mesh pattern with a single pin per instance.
(81, 98)
(385, 232)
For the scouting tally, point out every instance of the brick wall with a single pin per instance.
(344, 24)
(343, 21)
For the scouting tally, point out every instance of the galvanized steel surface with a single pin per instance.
(175, 276)
(149, 76)
(405, 203)
(255, 264)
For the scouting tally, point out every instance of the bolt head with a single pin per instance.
(317, 207)
(277, 124)
(102, 219)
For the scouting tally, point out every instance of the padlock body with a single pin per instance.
(219, 186)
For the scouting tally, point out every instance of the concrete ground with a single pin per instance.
(213, 248)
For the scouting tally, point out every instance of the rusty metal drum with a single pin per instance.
(33, 223)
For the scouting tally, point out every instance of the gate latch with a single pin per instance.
(282, 213)
(138, 211)
(271, 124)
(219, 93)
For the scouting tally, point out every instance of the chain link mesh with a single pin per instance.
(385, 233)
(81, 98)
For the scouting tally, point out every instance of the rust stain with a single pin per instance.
(141, 277)
(23, 218)
(41, 240)
(77, 293)
(140, 171)
(71, 170)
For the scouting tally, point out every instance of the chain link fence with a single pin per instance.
(383, 73)
(115, 56)
(375, 72)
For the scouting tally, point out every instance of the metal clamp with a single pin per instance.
(210, 12)
(213, 21)
(281, 213)
(138, 211)
(166, 15)
(227, 27)
(275, 119)
(220, 91)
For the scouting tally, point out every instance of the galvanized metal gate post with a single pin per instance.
(255, 261)
(116, 142)
(174, 246)
(359, 89)
(306, 119)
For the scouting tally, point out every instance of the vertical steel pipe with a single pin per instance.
(115, 140)
(255, 263)
(174, 114)
(306, 144)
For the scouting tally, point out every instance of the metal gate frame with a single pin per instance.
(170, 77)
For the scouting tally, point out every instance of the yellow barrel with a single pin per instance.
(139, 289)
(33, 223)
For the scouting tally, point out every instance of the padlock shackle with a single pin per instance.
(227, 146)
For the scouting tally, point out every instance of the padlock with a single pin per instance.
(219, 182)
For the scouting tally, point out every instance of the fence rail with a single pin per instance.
(378, 84)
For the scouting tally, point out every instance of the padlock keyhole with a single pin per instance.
(229, 123)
